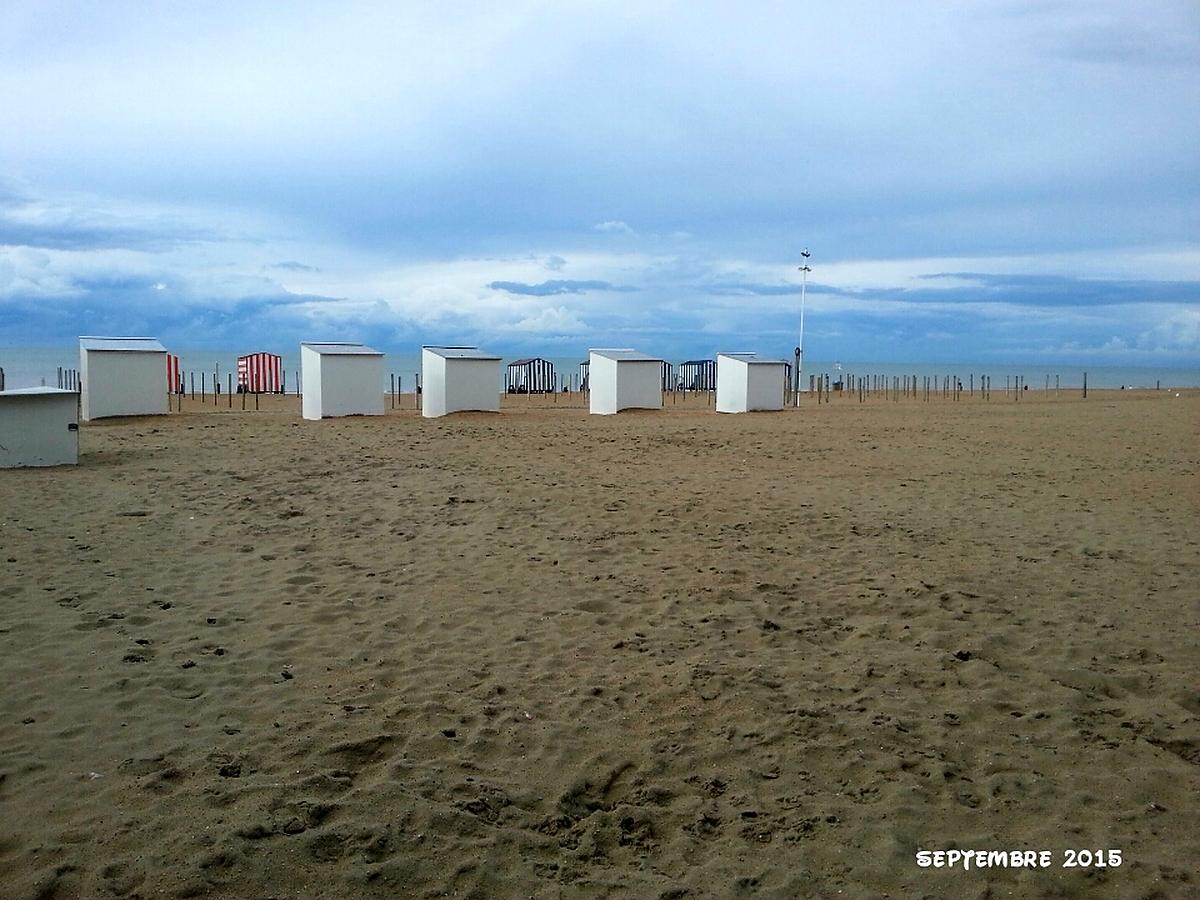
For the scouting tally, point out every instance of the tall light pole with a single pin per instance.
(804, 270)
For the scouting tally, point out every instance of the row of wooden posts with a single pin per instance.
(819, 386)
(210, 386)
(927, 388)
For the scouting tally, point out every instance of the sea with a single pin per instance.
(36, 366)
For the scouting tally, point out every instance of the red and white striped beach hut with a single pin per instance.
(260, 373)
(174, 375)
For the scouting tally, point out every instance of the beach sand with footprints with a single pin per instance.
(547, 654)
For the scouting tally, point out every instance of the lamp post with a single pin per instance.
(804, 270)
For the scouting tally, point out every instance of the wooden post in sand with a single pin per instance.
(1085, 385)
(244, 400)
(392, 389)
(231, 390)
(1056, 387)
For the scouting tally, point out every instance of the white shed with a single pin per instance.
(341, 379)
(454, 379)
(747, 382)
(39, 427)
(122, 376)
(623, 379)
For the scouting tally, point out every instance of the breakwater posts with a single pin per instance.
(823, 388)
(68, 379)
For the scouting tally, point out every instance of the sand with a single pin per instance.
(549, 654)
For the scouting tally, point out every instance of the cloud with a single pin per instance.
(91, 225)
(736, 288)
(614, 227)
(1177, 330)
(293, 266)
(557, 320)
(551, 288)
(246, 281)
(1056, 290)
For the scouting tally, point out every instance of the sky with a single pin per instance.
(980, 181)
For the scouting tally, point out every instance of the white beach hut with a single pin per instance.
(39, 427)
(341, 379)
(747, 382)
(122, 376)
(455, 379)
(623, 379)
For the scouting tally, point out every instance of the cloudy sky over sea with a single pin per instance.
(986, 180)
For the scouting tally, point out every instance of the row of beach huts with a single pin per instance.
(123, 376)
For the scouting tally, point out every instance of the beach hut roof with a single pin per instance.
(33, 391)
(703, 362)
(751, 358)
(340, 349)
(527, 360)
(461, 353)
(626, 355)
(143, 344)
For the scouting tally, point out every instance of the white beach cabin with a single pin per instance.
(39, 426)
(122, 376)
(623, 379)
(340, 379)
(456, 379)
(747, 382)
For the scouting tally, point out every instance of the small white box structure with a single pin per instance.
(39, 427)
(122, 376)
(747, 382)
(341, 379)
(456, 379)
(623, 379)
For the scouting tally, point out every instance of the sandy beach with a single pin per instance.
(661, 654)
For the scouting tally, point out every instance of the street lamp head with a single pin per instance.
(805, 253)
